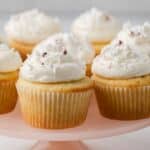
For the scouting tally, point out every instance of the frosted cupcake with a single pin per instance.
(98, 27)
(53, 90)
(28, 28)
(122, 75)
(10, 61)
(76, 46)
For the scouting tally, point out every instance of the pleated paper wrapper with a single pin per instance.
(8, 96)
(127, 103)
(53, 110)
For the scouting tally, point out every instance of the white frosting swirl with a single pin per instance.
(127, 56)
(54, 60)
(96, 26)
(136, 36)
(10, 59)
(78, 47)
(31, 26)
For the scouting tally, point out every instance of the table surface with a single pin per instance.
(139, 140)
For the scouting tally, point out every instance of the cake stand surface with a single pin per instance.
(95, 126)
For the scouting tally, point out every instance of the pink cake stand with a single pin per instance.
(95, 126)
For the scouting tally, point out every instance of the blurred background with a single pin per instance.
(134, 7)
(134, 10)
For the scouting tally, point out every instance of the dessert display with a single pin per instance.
(10, 61)
(90, 83)
(122, 75)
(98, 27)
(54, 84)
(28, 28)
(53, 90)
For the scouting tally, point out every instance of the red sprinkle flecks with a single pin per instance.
(44, 54)
(132, 33)
(138, 33)
(135, 34)
(42, 63)
(65, 52)
(120, 42)
(107, 18)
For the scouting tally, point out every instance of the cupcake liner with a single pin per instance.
(8, 96)
(124, 103)
(53, 110)
(23, 48)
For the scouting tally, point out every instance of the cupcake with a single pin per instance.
(98, 27)
(10, 61)
(76, 46)
(53, 90)
(122, 75)
(28, 28)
